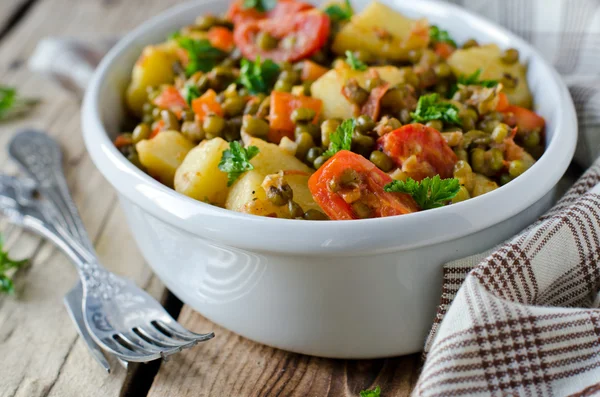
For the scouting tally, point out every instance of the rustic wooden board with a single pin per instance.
(230, 365)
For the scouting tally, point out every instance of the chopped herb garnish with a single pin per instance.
(430, 107)
(371, 393)
(7, 263)
(437, 35)
(341, 139)
(258, 77)
(174, 35)
(260, 5)
(236, 160)
(202, 55)
(11, 105)
(354, 62)
(340, 12)
(429, 193)
(190, 92)
(473, 79)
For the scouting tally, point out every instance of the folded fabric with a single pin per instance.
(525, 321)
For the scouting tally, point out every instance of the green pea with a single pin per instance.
(364, 123)
(373, 82)
(509, 81)
(141, 132)
(462, 154)
(255, 126)
(442, 70)
(328, 127)
(313, 153)
(309, 128)
(213, 126)
(289, 76)
(280, 196)
(283, 86)
(302, 115)
(362, 210)
(394, 98)
(478, 160)
(188, 115)
(315, 215)
(363, 142)
(232, 131)
(171, 121)
(414, 56)
(192, 131)
(531, 140)
(468, 117)
(319, 161)
(265, 41)
(488, 125)
(304, 142)
(263, 108)
(470, 43)
(500, 132)
(356, 94)
(510, 56)
(496, 160)
(505, 178)
(147, 108)
(156, 113)
(234, 106)
(381, 160)
(516, 168)
(295, 210)
(251, 107)
(435, 124)
(135, 159)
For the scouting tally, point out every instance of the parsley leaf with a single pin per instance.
(11, 105)
(429, 107)
(260, 5)
(340, 12)
(258, 77)
(354, 62)
(6, 263)
(429, 193)
(473, 79)
(371, 393)
(437, 35)
(174, 35)
(202, 55)
(190, 92)
(236, 160)
(341, 139)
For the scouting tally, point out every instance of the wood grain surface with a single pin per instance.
(39, 347)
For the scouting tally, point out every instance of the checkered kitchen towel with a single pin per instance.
(523, 319)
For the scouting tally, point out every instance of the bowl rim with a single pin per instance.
(357, 237)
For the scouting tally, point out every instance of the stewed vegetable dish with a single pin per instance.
(282, 109)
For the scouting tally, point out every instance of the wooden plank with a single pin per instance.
(38, 344)
(230, 365)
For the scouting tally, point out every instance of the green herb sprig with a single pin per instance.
(473, 79)
(354, 62)
(341, 138)
(236, 160)
(340, 12)
(260, 5)
(258, 77)
(7, 263)
(202, 55)
(371, 393)
(430, 107)
(438, 35)
(191, 92)
(429, 193)
(12, 105)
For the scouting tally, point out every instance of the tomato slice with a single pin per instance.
(238, 14)
(363, 196)
(524, 119)
(221, 38)
(288, 7)
(300, 34)
(425, 144)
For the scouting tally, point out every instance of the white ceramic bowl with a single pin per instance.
(346, 289)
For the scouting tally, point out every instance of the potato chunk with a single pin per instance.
(465, 62)
(154, 67)
(383, 32)
(199, 176)
(328, 88)
(272, 159)
(163, 154)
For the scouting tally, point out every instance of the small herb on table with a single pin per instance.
(429, 193)
(258, 77)
(236, 161)
(430, 107)
(12, 105)
(354, 62)
(340, 12)
(7, 263)
(371, 393)
(341, 139)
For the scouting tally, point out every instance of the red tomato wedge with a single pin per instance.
(288, 7)
(221, 38)
(367, 191)
(238, 14)
(171, 99)
(304, 32)
(524, 119)
(281, 107)
(426, 144)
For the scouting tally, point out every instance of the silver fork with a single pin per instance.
(122, 318)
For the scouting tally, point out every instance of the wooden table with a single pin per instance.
(40, 351)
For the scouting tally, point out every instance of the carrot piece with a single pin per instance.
(312, 71)
(221, 38)
(282, 106)
(171, 99)
(158, 126)
(121, 141)
(207, 104)
(525, 119)
(444, 50)
(502, 102)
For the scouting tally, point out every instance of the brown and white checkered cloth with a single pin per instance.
(522, 319)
